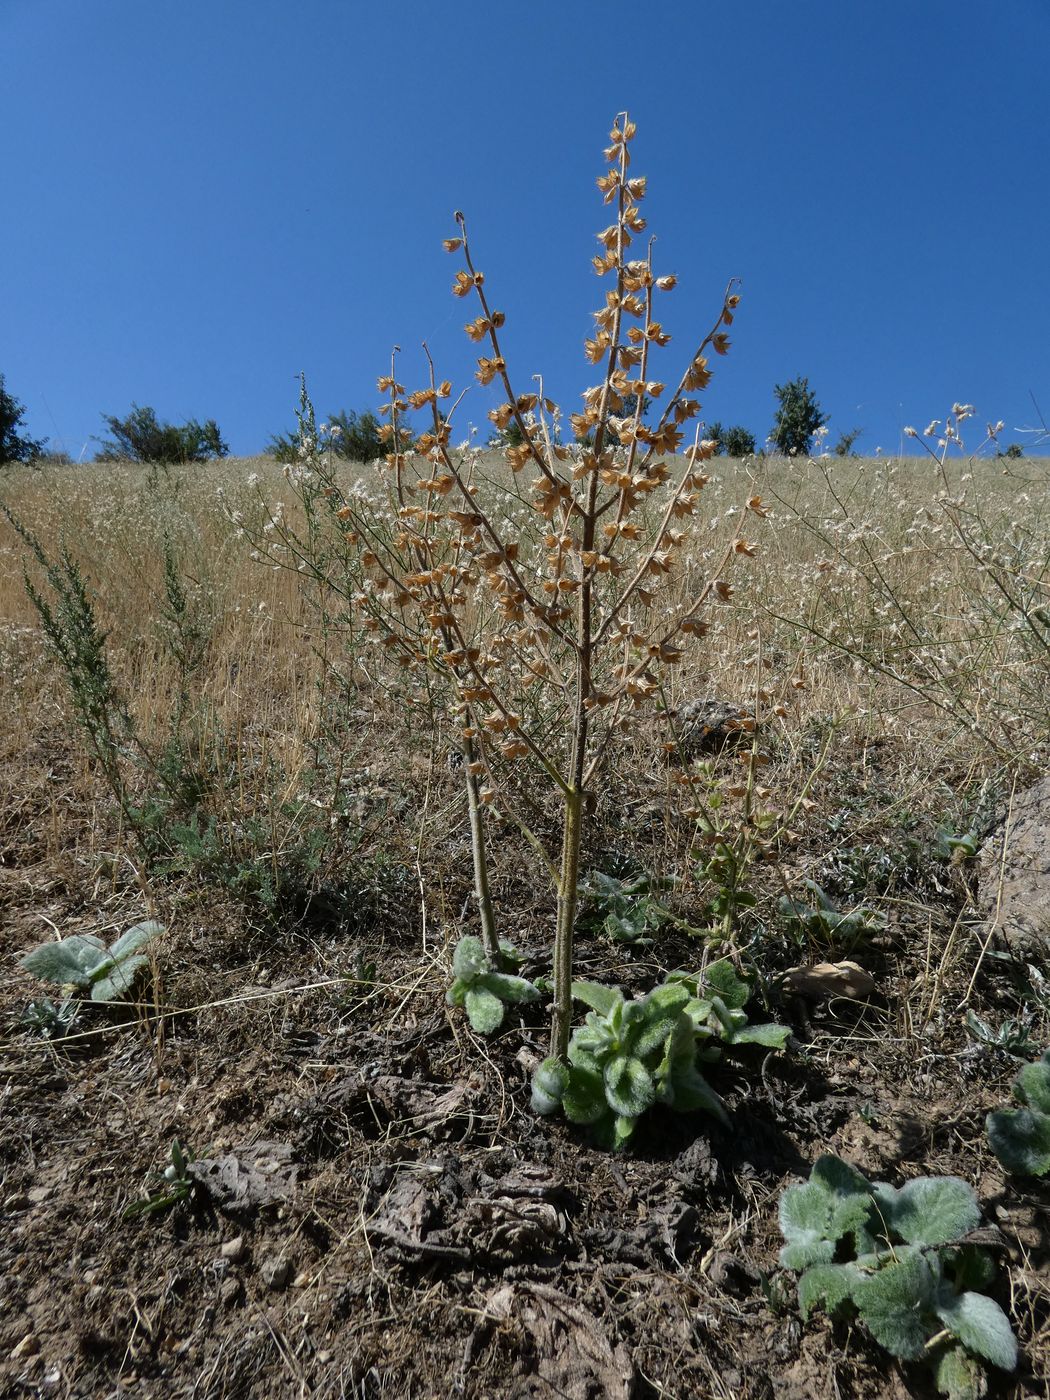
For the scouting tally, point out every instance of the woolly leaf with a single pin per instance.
(629, 1088)
(896, 1303)
(960, 1376)
(1020, 1138)
(970, 1266)
(663, 1013)
(982, 1326)
(816, 1214)
(484, 1011)
(1032, 1085)
(72, 959)
(469, 960)
(929, 1210)
(549, 1083)
(119, 981)
(456, 994)
(598, 998)
(721, 978)
(773, 1036)
(623, 1127)
(684, 1088)
(584, 1096)
(829, 1285)
(508, 988)
(135, 938)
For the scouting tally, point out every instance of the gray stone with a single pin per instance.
(1013, 872)
(276, 1272)
(706, 725)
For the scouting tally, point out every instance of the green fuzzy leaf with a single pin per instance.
(601, 999)
(549, 1082)
(484, 1011)
(583, 1099)
(807, 1254)
(816, 1214)
(629, 1088)
(772, 1036)
(72, 959)
(469, 960)
(960, 1376)
(667, 999)
(1020, 1138)
(119, 981)
(679, 1083)
(930, 1210)
(622, 1130)
(456, 994)
(829, 1285)
(721, 978)
(662, 1016)
(136, 938)
(897, 1302)
(982, 1326)
(1032, 1085)
(509, 988)
(970, 1266)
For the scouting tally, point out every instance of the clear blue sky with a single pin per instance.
(202, 197)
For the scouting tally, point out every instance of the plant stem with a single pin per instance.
(482, 892)
(572, 830)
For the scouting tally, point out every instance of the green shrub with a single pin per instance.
(732, 442)
(353, 436)
(797, 419)
(141, 437)
(15, 446)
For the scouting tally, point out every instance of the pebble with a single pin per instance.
(276, 1272)
(38, 1194)
(234, 1250)
(28, 1346)
(231, 1291)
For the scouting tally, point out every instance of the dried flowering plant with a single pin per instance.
(539, 594)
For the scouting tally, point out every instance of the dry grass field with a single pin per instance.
(291, 808)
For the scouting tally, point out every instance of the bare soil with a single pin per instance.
(383, 1216)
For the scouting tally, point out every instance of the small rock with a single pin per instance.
(825, 980)
(276, 1272)
(1013, 873)
(234, 1250)
(28, 1346)
(301, 1280)
(231, 1292)
(706, 725)
(38, 1194)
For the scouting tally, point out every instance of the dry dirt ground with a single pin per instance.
(381, 1214)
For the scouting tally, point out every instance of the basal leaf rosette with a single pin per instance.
(900, 1260)
(482, 989)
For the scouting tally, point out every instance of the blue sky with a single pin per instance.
(202, 198)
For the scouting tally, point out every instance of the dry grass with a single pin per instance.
(858, 563)
(888, 743)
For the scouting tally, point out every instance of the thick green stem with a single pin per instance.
(572, 831)
(482, 892)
